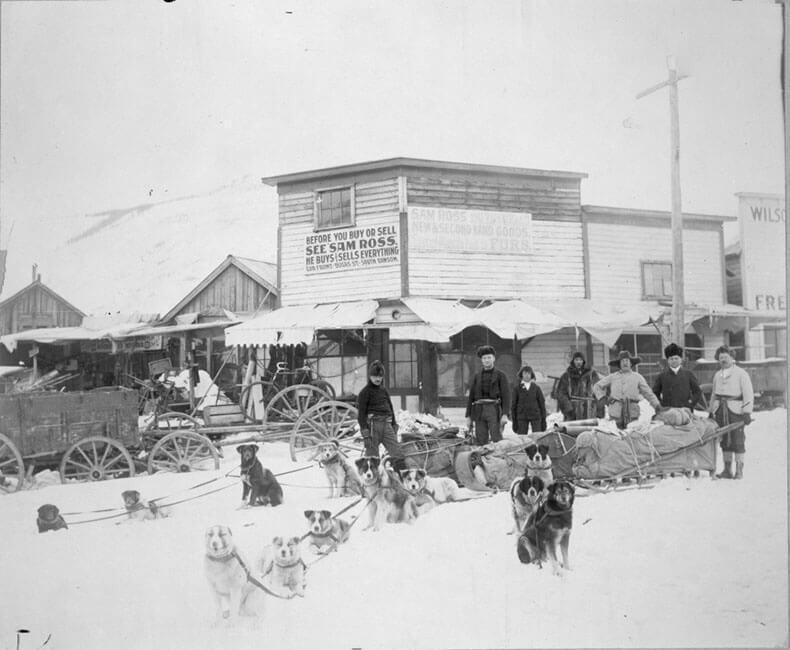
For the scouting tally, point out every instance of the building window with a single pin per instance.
(656, 280)
(403, 366)
(340, 357)
(334, 208)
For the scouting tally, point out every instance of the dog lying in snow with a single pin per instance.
(325, 532)
(49, 518)
(388, 500)
(139, 509)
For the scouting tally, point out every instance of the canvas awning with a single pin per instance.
(298, 323)
(441, 319)
(516, 318)
(603, 320)
(54, 335)
(719, 318)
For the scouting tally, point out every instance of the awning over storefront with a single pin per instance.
(298, 323)
(719, 318)
(603, 320)
(441, 318)
(54, 335)
(516, 318)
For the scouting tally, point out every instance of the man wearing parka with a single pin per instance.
(529, 405)
(574, 390)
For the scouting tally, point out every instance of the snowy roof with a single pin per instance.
(145, 257)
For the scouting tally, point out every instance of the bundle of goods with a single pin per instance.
(655, 447)
(428, 442)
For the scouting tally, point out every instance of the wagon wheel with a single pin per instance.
(95, 459)
(324, 422)
(12, 470)
(182, 451)
(174, 421)
(248, 401)
(291, 402)
(324, 386)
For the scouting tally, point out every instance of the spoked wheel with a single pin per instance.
(96, 459)
(12, 469)
(324, 422)
(289, 404)
(254, 399)
(324, 386)
(174, 421)
(183, 451)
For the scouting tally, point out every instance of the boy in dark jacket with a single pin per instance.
(377, 418)
(489, 399)
(574, 392)
(529, 405)
(676, 386)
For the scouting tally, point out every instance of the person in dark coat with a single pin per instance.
(574, 391)
(489, 399)
(676, 386)
(529, 405)
(376, 418)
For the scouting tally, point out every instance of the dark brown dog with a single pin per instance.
(548, 530)
(49, 518)
(257, 481)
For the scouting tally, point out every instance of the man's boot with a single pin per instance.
(727, 473)
(738, 469)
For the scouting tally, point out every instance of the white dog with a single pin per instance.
(226, 575)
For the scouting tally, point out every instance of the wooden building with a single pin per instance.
(418, 262)
(33, 307)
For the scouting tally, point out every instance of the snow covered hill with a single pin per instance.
(690, 562)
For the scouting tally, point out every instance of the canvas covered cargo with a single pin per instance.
(657, 448)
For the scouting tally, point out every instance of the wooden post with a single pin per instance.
(678, 300)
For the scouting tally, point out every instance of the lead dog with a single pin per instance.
(325, 532)
(547, 533)
(258, 482)
(525, 496)
(140, 509)
(226, 576)
(49, 518)
(539, 463)
(340, 473)
(388, 500)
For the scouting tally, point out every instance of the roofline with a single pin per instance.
(388, 163)
(45, 288)
(660, 214)
(230, 260)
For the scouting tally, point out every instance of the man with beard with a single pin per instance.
(574, 390)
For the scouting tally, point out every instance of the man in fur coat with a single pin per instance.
(676, 386)
(574, 390)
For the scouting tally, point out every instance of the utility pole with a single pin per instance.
(678, 303)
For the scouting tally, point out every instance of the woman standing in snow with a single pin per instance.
(528, 404)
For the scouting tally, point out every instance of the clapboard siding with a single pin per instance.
(375, 204)
(554, 267)
(551, 353)
(233, 290)
(616, 253)
(544, 198)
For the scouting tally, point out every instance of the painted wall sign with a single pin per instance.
(352, 248)
(136, 344)
(470, 231)
(763, 266)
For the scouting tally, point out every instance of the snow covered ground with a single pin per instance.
(690, 562)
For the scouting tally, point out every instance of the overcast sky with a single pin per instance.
(111, 104)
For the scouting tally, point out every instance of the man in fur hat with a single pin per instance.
(376, 418)
(676, 386)
(732, 400)
(574, 390)
(489, 399)
(625, 387)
